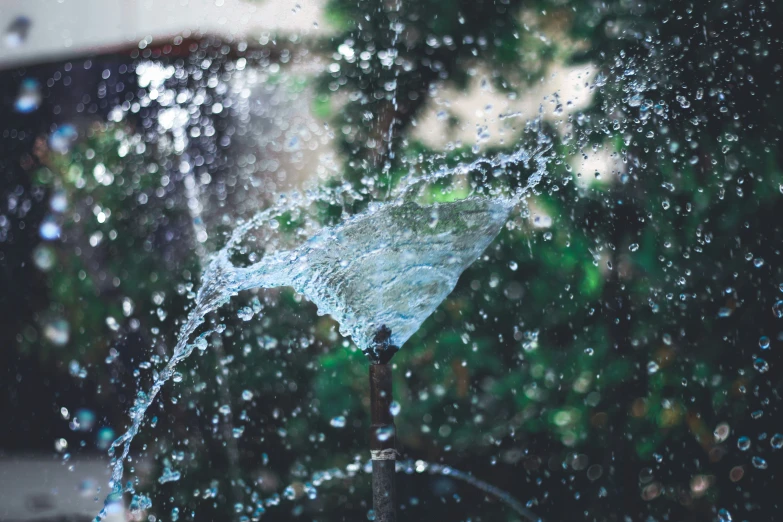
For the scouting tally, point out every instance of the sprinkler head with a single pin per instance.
(382, 349)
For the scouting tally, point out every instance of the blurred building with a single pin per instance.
(47, 488)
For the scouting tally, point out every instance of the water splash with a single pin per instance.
(361, 271)
(448, 471)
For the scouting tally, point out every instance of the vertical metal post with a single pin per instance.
(382, 444)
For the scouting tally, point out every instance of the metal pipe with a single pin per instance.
(382, 444)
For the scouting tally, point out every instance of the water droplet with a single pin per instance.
(761, 365)
(764, 342)
(59, 201)
(384, 433)
(112, 323)
(395, 408)
(594, 472)
(724, 515)
(201, 343)
(777, 309)
(725, 312)
(743, 443)
(29, 97)
(75, 370)
(44, 257)
(63, 138)
(684, 103)
(49, 229)
(652, 367)
(246, 313)
(289, 493)
(247, 395)
(60, 445)
(177, 377)
(85, 419)
(338, 422)
(759, 463)
(127, 306)
(371, 515)
(776, 441)
(57, 331)
(589, 351)
(721, 432)
(513, 265)
(633, 247)
(169, 475)
(101, 174)
(104, 438)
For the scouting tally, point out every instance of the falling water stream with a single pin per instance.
(409, 467)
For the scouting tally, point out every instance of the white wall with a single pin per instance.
(45, 487)
(62, 28)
